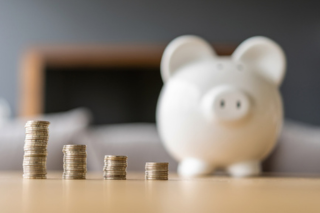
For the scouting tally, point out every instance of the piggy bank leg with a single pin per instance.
(192, 167)
(244, 169)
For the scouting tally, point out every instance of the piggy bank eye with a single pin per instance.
(240, 67)
(222, 104)
(238, 104)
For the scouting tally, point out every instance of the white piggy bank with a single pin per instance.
(220, 112)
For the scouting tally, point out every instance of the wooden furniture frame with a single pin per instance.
(36, 59)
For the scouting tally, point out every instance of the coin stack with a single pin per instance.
(115, 167)
(74, 162)
(156, 171)
(35, 150)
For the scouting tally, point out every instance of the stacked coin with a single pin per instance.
(74, 162)
(156, 171)
(35, 150)
(115, 167)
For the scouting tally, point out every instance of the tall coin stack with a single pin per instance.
(74, 162)
(156, 171)
(115, 167)
(35, 150)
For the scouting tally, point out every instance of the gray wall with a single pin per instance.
(295, 25)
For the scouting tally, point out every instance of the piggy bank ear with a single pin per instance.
(184, 50)
(264, 56)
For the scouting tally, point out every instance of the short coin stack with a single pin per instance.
(115, 167)
(156, 171)
(74, 162)
(35, 150)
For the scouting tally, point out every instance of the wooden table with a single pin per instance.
(212, 194)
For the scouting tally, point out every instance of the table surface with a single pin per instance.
(210, 194)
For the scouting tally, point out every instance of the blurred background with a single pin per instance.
(92, 69)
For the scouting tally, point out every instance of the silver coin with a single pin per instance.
(34, 162)
(74, 174)
(156, 178)
(34, 177)
(75, 146)
(37, 123)
(44, 144)
(36, 128)
(37, 133)
(70, 162)
(41, 152)
(37, 137)
(74, 178)
(34, 168)
(115, 173)
(34, 158)
(157, 164)
(115, 178)
(156, 174)
(124, 164)
(74, 162)
(75, 157)
(67, 172)
(162, 176)
(75, 168)
(34, 148)
(115, 157)
(35, 155)
(112, 168)
(34, 172)
(36, 140)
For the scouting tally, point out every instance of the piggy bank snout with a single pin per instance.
(226, 104)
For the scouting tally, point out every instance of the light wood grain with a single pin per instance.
(212, 194)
